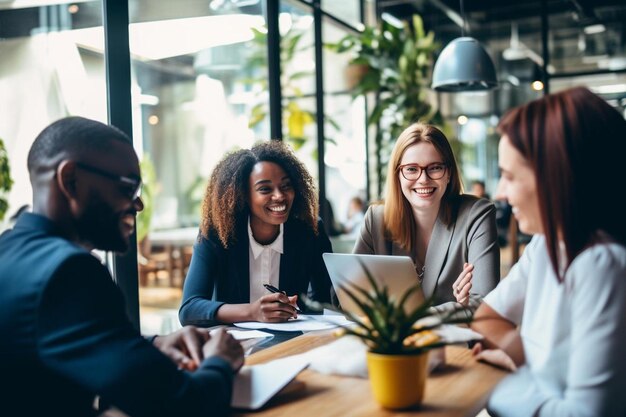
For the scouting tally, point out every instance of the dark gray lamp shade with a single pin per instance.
(464, 65)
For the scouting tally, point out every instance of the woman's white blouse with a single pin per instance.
(264, 263)
(574, 334)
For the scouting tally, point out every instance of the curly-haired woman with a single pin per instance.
(259, 226)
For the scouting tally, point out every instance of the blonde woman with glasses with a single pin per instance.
(450, 236)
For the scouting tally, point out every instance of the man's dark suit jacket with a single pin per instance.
(218, 275)
(65, 338)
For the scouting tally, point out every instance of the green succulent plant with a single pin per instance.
(6, 183)
(386, 326)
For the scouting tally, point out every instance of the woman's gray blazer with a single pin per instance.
(472, 238)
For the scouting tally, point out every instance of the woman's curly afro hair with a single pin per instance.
(226, 204)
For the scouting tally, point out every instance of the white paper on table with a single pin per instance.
(254, 385)
(248, 334)
(303, 323)
(451, 333)
(344, 356)
(347, 355)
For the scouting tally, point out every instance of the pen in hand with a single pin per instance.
(273, 289)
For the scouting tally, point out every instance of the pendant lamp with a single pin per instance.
(464, 65)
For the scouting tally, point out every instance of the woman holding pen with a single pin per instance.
(259, 229)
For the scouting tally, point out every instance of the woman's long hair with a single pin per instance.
(226, 202)
(575, 142)
(398, 216)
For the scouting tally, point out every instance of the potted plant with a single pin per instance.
(398, 340)
(5, 179)
(395, 63)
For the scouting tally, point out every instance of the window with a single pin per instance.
(51, 66)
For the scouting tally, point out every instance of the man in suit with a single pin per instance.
(65, 337)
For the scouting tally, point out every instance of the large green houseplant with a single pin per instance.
(395, 63)
(398, 338)
(5, 179)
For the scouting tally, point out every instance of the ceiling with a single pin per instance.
(490, 21)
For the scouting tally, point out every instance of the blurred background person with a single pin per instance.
(356, 214)
(331, 225)
(478, 189)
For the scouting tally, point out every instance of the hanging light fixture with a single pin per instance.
(464, 65)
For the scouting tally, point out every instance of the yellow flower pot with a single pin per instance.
(397, 381)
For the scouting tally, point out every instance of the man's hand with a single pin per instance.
(225, 346)
(463, 284)
(184, 347)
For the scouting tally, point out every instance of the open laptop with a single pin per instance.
(396, 272)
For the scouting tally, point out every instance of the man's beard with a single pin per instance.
(100, 226)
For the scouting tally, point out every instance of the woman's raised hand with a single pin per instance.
(463, 284)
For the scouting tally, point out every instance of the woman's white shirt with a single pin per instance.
(264, 263)
(574, 334)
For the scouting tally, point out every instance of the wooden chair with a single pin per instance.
(152, 262)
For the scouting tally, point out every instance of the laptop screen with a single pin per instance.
(397, 273)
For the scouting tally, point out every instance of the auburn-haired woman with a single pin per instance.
(451, 237)
(559, 317)
(259, 227)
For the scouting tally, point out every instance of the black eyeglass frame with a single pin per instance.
(133, 182)
(423, 170)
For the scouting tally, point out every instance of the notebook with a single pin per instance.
(396, 272)
(255, 384)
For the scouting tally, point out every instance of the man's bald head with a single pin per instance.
(71, 138)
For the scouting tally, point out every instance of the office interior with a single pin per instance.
(193, 79)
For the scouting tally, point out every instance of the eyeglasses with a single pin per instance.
(413, 172)
(133, 185)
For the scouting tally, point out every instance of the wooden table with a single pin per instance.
(460, 388)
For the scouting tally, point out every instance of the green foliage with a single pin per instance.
(194, 194)
(386, 327)
(296, 118)
(398, 62)
(148, 192)
(6, 183)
